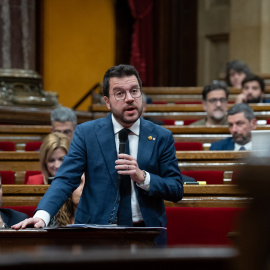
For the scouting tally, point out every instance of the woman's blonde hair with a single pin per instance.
(51, 142)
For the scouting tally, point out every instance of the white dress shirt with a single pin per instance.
(133, 139)
(247, 146)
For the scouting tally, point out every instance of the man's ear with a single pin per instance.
(107, 102)
(262, 96)
(254, 123)
(204, 105)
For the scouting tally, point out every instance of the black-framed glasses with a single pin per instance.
(121, 94)
(215, 100)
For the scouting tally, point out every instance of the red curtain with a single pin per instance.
(142, 50)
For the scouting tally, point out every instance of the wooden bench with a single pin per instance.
(226, 161)
(186, 94)
(19, 115)
(194, 196)
(21, 134)
(180, 111)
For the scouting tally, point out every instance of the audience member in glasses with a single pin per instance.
(252, 91)
(241, 122)
(215, 101)
(151, 164)
(236, 72)
(53, 150)
(9, 217)
(64, 120)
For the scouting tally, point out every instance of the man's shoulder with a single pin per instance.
(200, 122)
(225, 144)
(11, 217)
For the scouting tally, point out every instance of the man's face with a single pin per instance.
(215, 104)
(253, 92)
(128, 110)
(240, 127)
(64, 127)
(236, 78)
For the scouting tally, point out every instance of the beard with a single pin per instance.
(120, 115)
(218, 115)
(254, 100)
(241, 139)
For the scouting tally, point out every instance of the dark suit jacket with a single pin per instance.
(225, 144)
(93, 151)
(11, 217)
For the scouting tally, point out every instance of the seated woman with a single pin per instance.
(53, 149)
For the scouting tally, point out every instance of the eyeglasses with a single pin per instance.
(66, 131)
(122, 94)
(215, 100)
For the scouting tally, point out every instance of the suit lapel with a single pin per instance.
(106, 139)
(147, 140)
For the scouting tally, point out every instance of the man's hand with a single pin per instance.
(127, 165)
(36, 222)
(241, 98)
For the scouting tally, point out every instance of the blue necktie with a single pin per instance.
(124, 211)
(242, 148)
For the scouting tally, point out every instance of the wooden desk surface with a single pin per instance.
(194, 195)
(80, 236)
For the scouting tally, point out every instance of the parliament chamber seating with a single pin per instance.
(210, 177)
(201, 225)
(188, 146)
(28, 210)
(30, 173)
(8, 177)
(33, 146)
(7, 146)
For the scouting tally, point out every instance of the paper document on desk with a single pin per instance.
(112, 226)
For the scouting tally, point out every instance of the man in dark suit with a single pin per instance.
(241, 121)
(9, 217)
(151, 165)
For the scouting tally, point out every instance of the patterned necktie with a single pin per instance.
(242, 148)
(124, 211)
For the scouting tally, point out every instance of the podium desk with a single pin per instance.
(133, 258)
(29, 237)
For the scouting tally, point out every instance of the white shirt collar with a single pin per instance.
(247, 146)
(135, 128)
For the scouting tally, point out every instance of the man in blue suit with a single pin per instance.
(151, 164)
(241, 121)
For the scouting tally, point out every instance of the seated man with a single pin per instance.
(252, 91)
(241, 121)
(215, 100)
(9, 217)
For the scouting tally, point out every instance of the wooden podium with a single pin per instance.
(99, 236)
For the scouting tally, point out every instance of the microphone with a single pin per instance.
(123, 136)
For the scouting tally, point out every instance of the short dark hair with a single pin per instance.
(242, 107)
(119, 71)
(214, 86)
(238, 66)
(253, 77)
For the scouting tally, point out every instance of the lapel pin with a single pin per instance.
(150, 138)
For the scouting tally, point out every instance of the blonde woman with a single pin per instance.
(52, 152)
